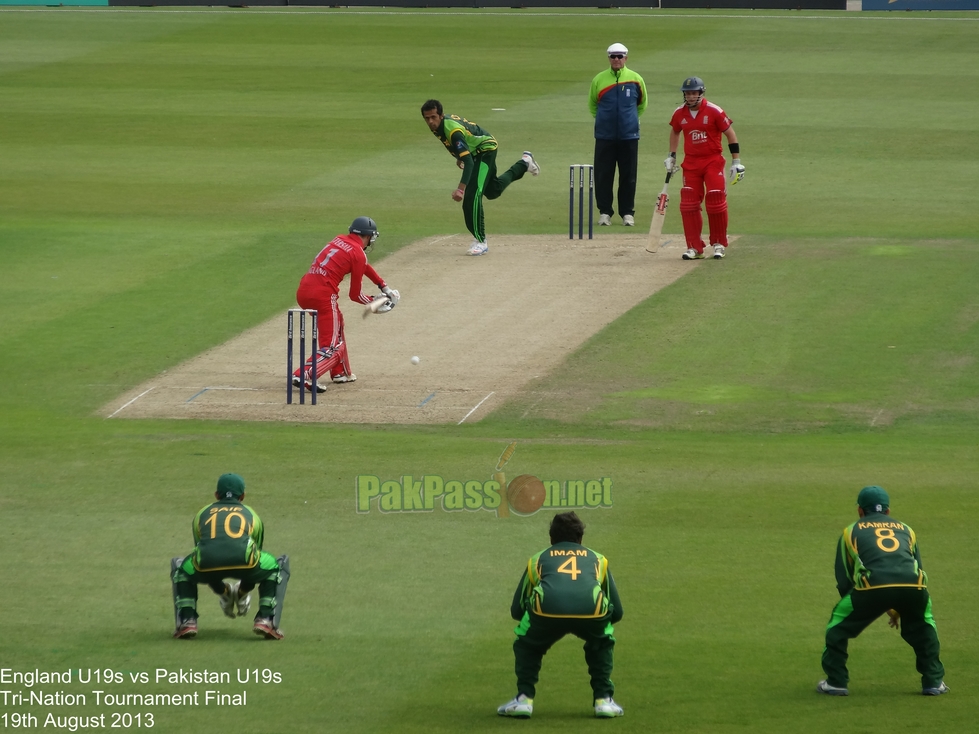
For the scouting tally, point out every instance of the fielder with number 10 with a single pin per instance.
(565, 589)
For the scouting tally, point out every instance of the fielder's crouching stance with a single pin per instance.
(319, 290)
(565, 589)
(228, 538)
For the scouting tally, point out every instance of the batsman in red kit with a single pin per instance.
(319, 289)
(702, 123)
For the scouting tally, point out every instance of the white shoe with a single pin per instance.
(692, 254)
(719, 251)
(937, 691)
(229, 599)
(320, 387)
(340, 379)
(604, 220)
(825, 687)
(478, 248)
(520, 707)
(629, 221)
(242, 604)
(532, 168)
(606, 708)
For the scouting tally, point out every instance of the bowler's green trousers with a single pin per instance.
(484, 182)
(536, 635)
(854, 613)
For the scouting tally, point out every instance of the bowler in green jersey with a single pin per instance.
(878, 571)
(228, 537)
(565, 589)
(475, 152)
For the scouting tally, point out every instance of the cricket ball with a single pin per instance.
(526, 494)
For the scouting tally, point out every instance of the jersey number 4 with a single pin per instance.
(570, 567)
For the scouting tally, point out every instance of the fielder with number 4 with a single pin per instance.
(565, 589)
(228, 537)
(878, 571)
(702, 124)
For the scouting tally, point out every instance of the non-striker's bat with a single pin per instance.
(659, 216)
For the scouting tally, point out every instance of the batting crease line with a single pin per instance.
(130, 402)
(475, 408)
(422, 403)
(252, 389)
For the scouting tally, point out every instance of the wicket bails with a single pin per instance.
(580, 167)
(314, 353)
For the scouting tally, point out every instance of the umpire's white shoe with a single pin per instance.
(937, 691)
(606, 708)
(719, 251)
(604, 220)
(478, 248)
(825, 687)
(520, 707)
(532, 168)
(629, 221)
(229, 599)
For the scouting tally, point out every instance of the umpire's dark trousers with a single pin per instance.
(608, 155)
(858, 609)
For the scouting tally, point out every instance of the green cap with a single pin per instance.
(231, 486)
(873, 499)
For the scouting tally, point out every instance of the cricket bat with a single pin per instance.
(659, 216)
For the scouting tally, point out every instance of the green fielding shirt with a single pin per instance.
(567, 581)
(228, 536)
(463, 139)
(878, 551)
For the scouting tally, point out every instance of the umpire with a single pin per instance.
(878, 571)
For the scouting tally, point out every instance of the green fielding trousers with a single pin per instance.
(484, 182)
(854, 613)
(536, 635)
(265, 575)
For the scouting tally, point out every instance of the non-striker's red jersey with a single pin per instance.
(343, 255)
(701, 134)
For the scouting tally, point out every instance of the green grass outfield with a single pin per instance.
(165, 176)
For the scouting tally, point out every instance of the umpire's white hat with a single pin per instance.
(617, 48)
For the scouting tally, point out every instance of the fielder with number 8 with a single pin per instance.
(702, 123)
(565, 589)
(878, 571)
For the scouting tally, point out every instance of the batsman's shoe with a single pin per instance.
(719, 251)
(187, 630)
(532, 168)
(937, 691)
(604, 220)
(340, 379)
(229, 599)
(320, 387)
(629, 221)
(824, 687)
(520, 707)
(243, 604)
(606, 708)
(692, 254)
(478, 248)
(264, 627)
